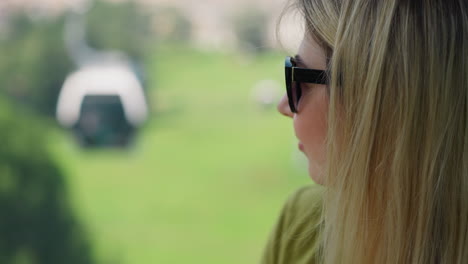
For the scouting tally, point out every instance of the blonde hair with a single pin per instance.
(397, 167)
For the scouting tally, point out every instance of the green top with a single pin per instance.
(295, 236)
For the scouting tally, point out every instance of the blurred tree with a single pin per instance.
(36, 224)
(171, 25)
(119, 26)
(250, 25)
(33, 62)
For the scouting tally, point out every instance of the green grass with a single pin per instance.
(209, 172)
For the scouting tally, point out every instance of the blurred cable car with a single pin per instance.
(103, 104)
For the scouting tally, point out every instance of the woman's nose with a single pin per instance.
(283, 107)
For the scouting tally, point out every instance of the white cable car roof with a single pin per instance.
(107, 79)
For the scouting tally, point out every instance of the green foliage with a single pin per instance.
(37, 225)
(250, 26)
(118, 26)
(33, 62)
(171, 25)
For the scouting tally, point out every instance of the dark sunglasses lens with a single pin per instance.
(296, 93)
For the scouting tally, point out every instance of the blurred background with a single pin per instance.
(143, 131)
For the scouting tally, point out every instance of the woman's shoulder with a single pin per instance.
(295, 237)
(306, 200)
(302, 212)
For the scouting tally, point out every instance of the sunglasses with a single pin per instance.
(295, 76)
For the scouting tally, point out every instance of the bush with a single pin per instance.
(34, 63)
(37, 224)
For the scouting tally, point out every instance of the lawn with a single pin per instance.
(208, 174)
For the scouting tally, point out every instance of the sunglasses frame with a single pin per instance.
(300, 75)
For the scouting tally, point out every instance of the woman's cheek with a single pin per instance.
(310, 126)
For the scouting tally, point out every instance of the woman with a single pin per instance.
(378, 95)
